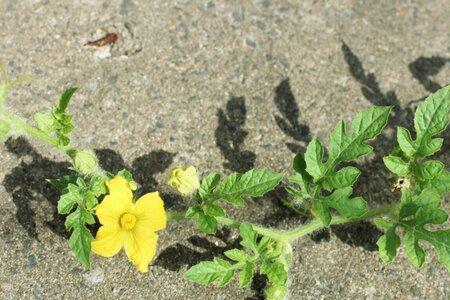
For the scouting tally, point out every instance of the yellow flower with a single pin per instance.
(184, 181)
(129, 224)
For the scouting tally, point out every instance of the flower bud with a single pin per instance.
(186, 181)
(85, 161)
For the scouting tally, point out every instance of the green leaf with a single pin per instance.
(299, 166)
(192, 212)
(237, 255)
(415, 231)
(97, 186)
(66, 203)
(65, 98)
(388, 244)
(339, 200)
(414, 252)
(246, 274)
(314, 160)
(405, 142)
(207, 272)
(213, 210)
(206, 223)
(320, 210)
(275, 271)
(383, 224)
(248, 236)
(427, 198)
(396, 165)
(440, 184)
(345, 177)
(429, 169)
(431, 118)
(263, 243)
(62, 182)
(254, 183)
(346, 206)
(366, 126)
(81, 238)
(125, 174)
(208, 184)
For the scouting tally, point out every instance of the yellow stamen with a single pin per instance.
(127, 221)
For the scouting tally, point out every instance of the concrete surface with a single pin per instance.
(222, 85)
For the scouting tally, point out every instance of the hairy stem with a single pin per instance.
(288, 236)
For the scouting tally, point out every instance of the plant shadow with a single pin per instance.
(28, 181)
(230, 135)
(175, 257)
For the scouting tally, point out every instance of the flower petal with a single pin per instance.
(118, 202)
(140, 248)
(108, 241)
(120, 187)
(150, 213)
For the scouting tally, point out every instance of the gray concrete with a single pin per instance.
(153, 101)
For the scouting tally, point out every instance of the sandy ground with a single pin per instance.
(224, 86)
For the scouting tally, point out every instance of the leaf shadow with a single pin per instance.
(230, 135)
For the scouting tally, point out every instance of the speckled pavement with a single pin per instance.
(224, 86)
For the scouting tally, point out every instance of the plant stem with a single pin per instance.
(288, 236)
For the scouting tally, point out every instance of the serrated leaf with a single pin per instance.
(125, 174)
(415, 231)
(213, 210)
(208, 184)
(321, 211)
(396, 165)
(206, 223)
(346, 206)
(65, 98)
(97, 186)
(429, 169)
(365, 126)
(192, 211)
(253, 183)
(314, 160)
(414, 252)
(339, 200)
(383, 224)
(299, 166)
(345, 177)
(405, 142)
(431, 118)
(62, 182)
(440, 184)
(275, 271)
(427, 198)
(81, 238)
(237, 255)
(206, 272)
(66, 203)
(248, 236)
(388, 244)
(263, 243)
(246, 274)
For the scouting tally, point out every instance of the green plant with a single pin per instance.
(321, 189)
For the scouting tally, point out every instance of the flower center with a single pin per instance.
(127, 221)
